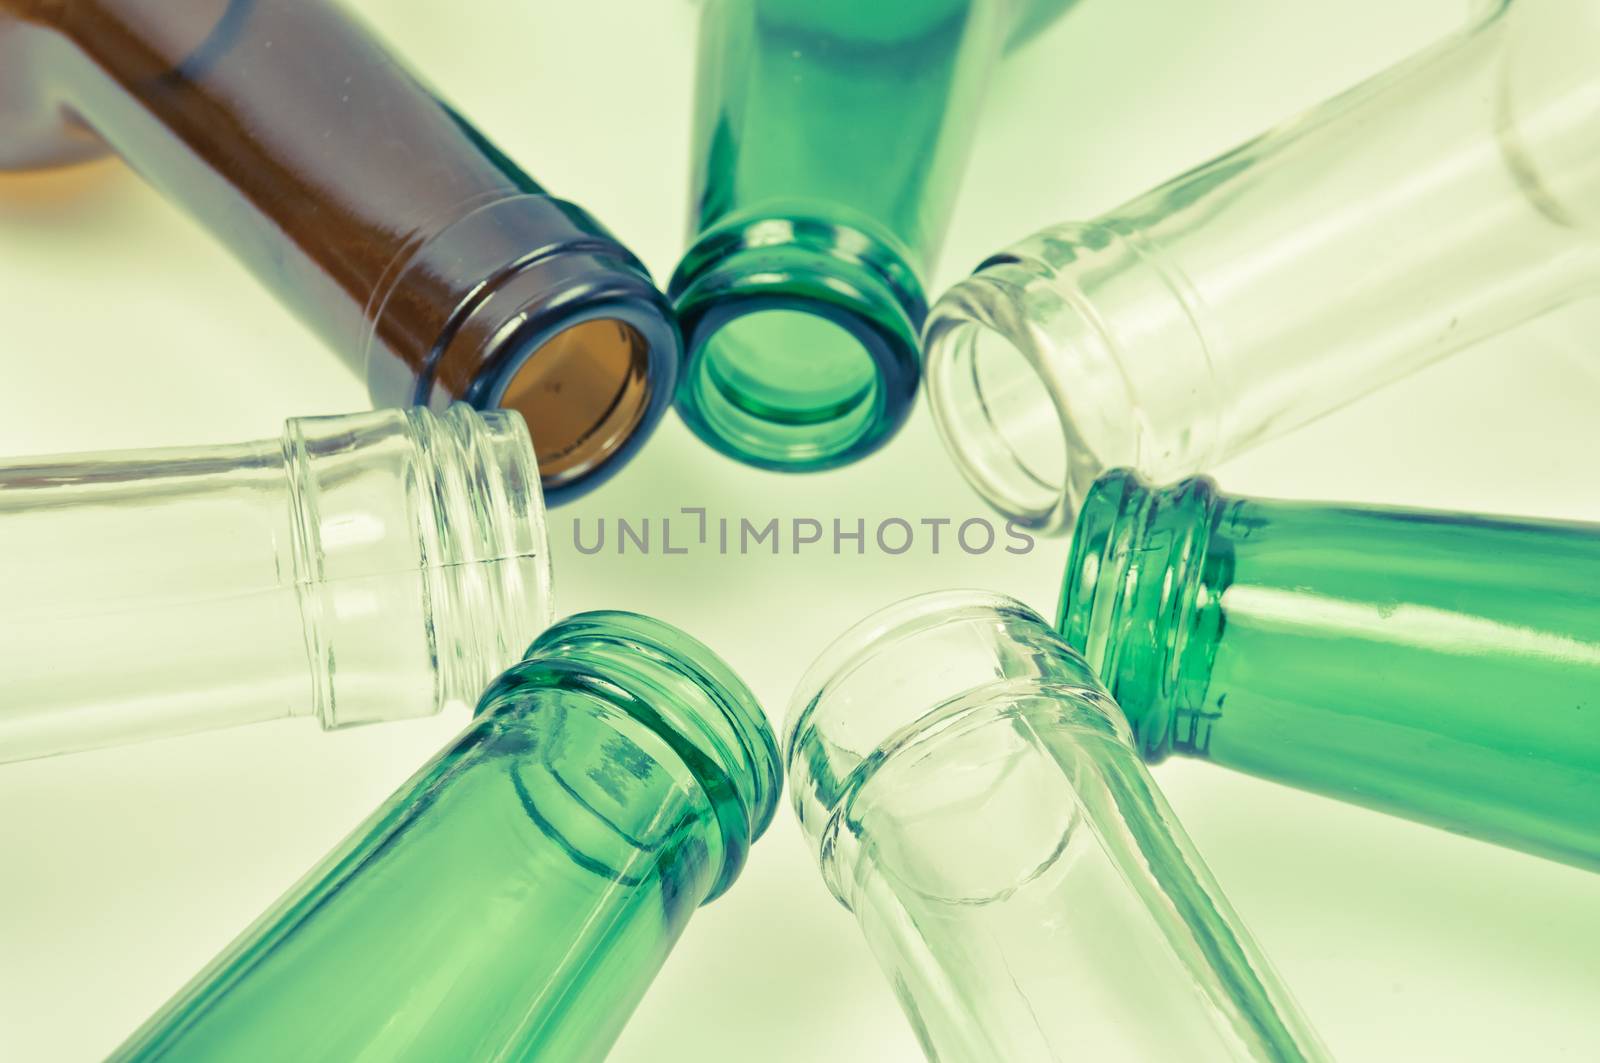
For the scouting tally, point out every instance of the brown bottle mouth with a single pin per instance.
(583, 393)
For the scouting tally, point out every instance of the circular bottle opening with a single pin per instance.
(583, 392)
(998, 413)
(786, 386)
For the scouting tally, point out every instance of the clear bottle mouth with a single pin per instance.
(1024, 418)
(896, 674)
(994, 410)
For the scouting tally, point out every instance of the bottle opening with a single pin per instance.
(673, 685)
(913, 675)
(786, 385)
(935, 804)
(999, 417)
(583, 393)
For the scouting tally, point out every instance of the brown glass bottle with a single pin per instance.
(417, 250)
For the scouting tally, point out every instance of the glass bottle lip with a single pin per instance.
(841, 276)
(504, 276)
(1021, 329)
(685, 693)
(1128, 592)
(1030, 481)
(901, 620)
(638, 308)
(913, 683)
(1101, 552)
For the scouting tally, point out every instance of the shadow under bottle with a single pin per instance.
(413, 247)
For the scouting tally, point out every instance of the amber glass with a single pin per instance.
(428, 260)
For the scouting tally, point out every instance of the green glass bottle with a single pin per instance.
(515, 898)
(1442, 667)
(829, 139)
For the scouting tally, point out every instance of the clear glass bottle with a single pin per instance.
(360, 568)
(830, 137)
(516, 898)
(1442, 202)
(1443, 667)
(420, 253)
(974, 796)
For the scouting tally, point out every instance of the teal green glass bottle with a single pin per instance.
(830, 136)
(1443, 667)
(515, 899)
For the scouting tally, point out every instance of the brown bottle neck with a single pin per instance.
(417, 251)
(286, 129)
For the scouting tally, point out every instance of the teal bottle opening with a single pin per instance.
(801, 340)
(829, 141)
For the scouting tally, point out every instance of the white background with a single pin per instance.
(123, 872)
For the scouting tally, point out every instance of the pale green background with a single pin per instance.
(122, 872)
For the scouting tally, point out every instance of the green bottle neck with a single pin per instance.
(800, 337)
(1141, 601)
(679, 691)
(1436, 666)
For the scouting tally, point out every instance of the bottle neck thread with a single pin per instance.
(901, 676)
(682, 692)
(1141, 600)
(410, 519)
(1077, 350)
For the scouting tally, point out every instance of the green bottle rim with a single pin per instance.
(1130, 594)
(829, 272)
(682, 691)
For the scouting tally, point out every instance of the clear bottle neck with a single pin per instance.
(975, 798)
(1439, 203)
(909, 670)
(366, 567)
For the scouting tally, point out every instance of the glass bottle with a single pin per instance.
(974, 796)
(417, 251)
(829, 139)
(360, 568)
(515, 898)
(1440, 203)
(1443, 667)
